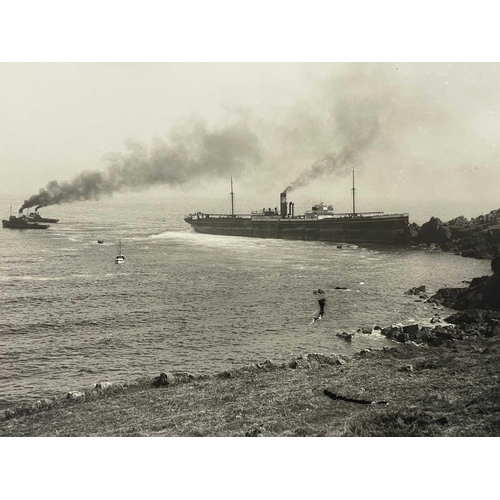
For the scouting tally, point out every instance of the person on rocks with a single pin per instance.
(495, 261)
(321, 298)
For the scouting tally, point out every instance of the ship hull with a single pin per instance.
(13, 225)
(384, 229)
(43, 219)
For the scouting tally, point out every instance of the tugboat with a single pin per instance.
(22, 222)
(120, 259)
(36, 217)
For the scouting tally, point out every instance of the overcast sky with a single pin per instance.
(421, 136)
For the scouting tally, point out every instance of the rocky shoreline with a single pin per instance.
(168, 379)
(478, 238)
(473, 331)
(407, 390)
(464, 338)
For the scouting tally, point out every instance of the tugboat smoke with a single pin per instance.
(199, 152)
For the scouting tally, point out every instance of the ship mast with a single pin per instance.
(232, 198)
(353, 195)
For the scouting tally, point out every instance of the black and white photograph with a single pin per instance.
(236, 248)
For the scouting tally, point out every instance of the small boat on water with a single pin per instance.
(119, 259)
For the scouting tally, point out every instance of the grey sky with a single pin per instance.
(432, 128)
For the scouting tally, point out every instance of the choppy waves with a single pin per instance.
(70, 317)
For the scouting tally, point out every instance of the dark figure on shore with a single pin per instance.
(320, 295)
(495, 262)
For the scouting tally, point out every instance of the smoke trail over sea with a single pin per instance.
(395, 121)
(330, 130)
(363, 134)
(191, 154)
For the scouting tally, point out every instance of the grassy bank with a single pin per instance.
(431, 391)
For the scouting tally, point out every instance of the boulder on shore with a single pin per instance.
(485, 295)
(346, 336)
(435, 232)
(415, 290)
(482, 293)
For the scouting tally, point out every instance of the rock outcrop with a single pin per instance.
(479, 306)
(482, 293)
(435, 232)
(465, 326)
(478, 238)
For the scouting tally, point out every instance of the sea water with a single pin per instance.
(70, 317)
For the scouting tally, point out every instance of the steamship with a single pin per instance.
(36, 217)
(25, 222)
(22, 222)
(321, 223)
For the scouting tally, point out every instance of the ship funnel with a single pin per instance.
(21, 210)
(290, 209)
(283, 204)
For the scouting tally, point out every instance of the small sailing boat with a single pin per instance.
(119, 259)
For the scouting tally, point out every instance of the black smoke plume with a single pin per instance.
(357, 129)
(190, 155)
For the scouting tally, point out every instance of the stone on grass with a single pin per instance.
(443, 333)
(365, 352)
(322, 359)
(345, 336)
(256, 431)
(406, 368)
(9, 413)
(492, 331)
(76, 395)
(436, 341)
(103, 385)
(164, 379)
(184, 376)
(299, 363)
(267, 365)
